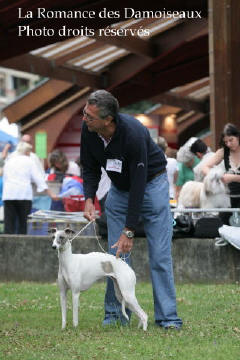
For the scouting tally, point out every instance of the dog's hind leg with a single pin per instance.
(132, 303)
(108, 269)
(120, 297)
(75, 301)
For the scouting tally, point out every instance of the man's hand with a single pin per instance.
(89, 210)
(123, 245)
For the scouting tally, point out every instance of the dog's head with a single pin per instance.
(213, 183)
(60, 237)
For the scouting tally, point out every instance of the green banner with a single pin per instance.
(41, 144)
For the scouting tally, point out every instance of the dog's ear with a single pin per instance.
(52, 231)
(69, 231)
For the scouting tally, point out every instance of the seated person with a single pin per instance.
(58, 165)
(72, 185)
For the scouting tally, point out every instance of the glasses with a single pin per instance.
(87, 116)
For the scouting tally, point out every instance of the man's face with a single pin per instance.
(27, 138)
(92, 118)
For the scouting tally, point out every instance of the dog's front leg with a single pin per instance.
(63, 300)
(75, 299)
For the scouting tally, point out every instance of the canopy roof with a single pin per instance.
(163, 59)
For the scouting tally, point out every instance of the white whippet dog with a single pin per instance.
(79, 271)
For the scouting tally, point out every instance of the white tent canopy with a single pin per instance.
(10, 129)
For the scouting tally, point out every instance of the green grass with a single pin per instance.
(30, 325)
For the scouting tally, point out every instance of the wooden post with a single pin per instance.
(224, 60)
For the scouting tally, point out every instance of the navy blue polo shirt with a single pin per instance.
(131, 159)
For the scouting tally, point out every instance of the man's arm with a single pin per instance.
(91, 176)
(138, 168)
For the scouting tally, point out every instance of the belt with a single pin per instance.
(157, 174)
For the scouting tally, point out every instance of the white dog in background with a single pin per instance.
(211, 193)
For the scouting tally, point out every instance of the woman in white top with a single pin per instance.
(19, 173)
(229, 153)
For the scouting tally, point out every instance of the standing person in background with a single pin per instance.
(229, 152)
(28, 139)
(172, 168)
(137, 169)
(18, 174)
(39, 202)
(186, 162)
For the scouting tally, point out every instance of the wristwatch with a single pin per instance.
(129, 234)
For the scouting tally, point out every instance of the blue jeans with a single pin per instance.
(157, 221)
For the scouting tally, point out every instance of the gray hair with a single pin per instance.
(162, 143)
(23, 147)
(105, 101)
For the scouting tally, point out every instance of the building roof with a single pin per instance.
(162, 59)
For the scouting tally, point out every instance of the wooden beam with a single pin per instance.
(125, 68)
(195, 86)
(60, 60)
(38, 65)
(186, 63)
(193, 125)
(56, 108)
(181, 33)
(91, 46)
(224, 57)
(135, 45)
(35, 99)
(185, 103)
(131, 92)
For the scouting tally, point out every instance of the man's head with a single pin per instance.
(24, 148)
(100, 110)
(27, 138)
(199, 148)
(162, 143)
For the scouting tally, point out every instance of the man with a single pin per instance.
(200, 149)
(28, 139)
(39, 202)
(137, 169)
